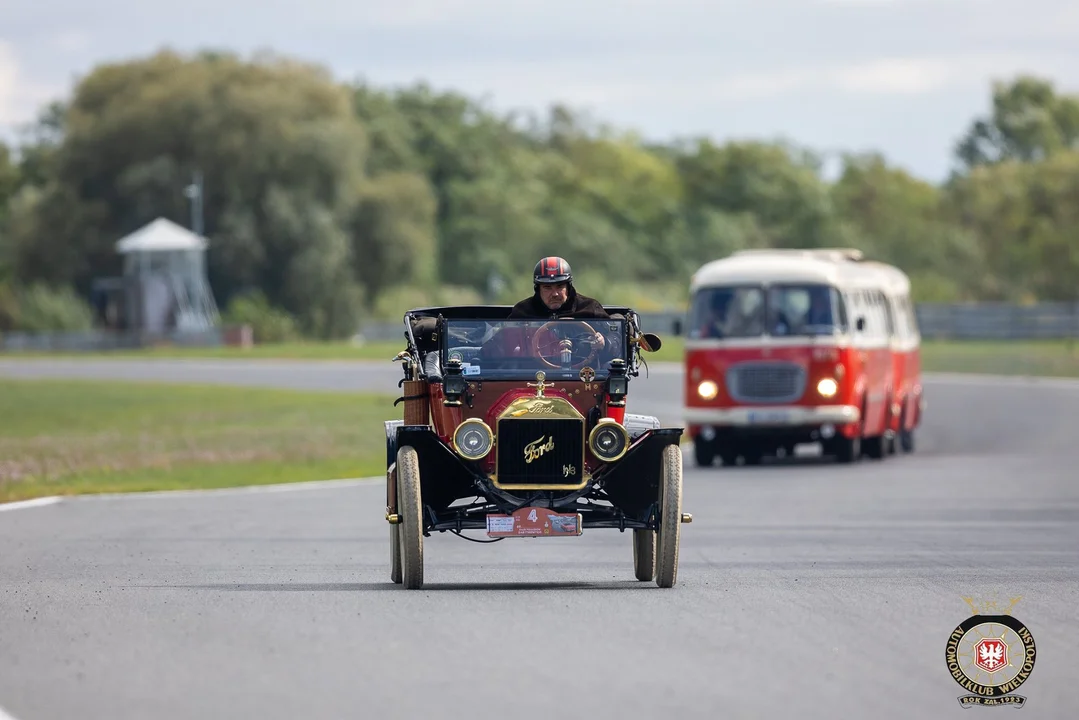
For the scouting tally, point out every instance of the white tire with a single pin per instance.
(410, 510)
(668, 536)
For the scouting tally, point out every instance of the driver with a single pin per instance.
(555, 297)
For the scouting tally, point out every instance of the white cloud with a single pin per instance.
(648, 79)
(891, 3)
(70, 40)
(898, 76)
(413, 13)
(886, 76)
(904, 75)
(20, 100)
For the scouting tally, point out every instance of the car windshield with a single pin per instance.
(776, 310)
(516, 349)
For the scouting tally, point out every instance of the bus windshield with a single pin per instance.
(744, 311)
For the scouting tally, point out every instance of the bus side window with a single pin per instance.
(909, 324)
(857, 310)
(841, 310)
(895, 307)
(879, 329)
(886, 310)
(872, 325)
(912, 317)
(861, 312)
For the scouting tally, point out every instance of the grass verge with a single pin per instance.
(1049, 358)
(376, 350)
(72, 437)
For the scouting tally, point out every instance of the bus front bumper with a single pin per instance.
(777, 416)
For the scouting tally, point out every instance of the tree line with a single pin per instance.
(327, 201)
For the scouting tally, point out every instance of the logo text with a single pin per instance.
(537, 447)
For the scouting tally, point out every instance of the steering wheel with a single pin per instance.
(563, 344)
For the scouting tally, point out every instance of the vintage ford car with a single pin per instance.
(518, 428)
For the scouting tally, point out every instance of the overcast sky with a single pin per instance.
(904, 77)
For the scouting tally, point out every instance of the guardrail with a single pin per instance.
(998, 321)
(936, 321)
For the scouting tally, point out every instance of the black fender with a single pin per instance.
(391, 441)
(444, 475)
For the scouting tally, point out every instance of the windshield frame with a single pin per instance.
(499, 367)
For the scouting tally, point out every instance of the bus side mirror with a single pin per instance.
(860, 324)
(676, 327)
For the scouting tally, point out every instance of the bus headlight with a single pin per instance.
(707, 389)
(827, 387)
(473, 439)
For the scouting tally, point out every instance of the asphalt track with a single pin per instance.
(805, 589)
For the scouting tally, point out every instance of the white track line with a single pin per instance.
(36, 502)
(4, 715)
(1061, 383)
(242, 490)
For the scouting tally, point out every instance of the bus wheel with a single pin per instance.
(847, 450)
(703, 453)
(905, 438)
(874, 447)
(752, 457)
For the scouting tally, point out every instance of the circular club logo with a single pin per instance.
(990, 656)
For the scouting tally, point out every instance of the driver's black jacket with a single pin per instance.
(576, 306)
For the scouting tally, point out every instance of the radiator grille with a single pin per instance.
(557, 457)
(763, 382)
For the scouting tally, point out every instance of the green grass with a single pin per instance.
(1051, 358)
(73, 436)
(371, 350)
(69, 437)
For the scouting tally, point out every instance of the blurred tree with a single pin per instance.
(899, 219)
(389, 226)
(324, 197)
(9, 181)
(1025, 217)
(278, 143)
(778, 185)
(1029, 121)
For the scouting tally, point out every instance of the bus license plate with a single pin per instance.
(769, 417)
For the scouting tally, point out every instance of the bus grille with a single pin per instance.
(766, 382)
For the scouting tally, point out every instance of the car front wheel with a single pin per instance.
(410, 510)
(670, 517)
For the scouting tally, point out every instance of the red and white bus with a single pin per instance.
(788, 347)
